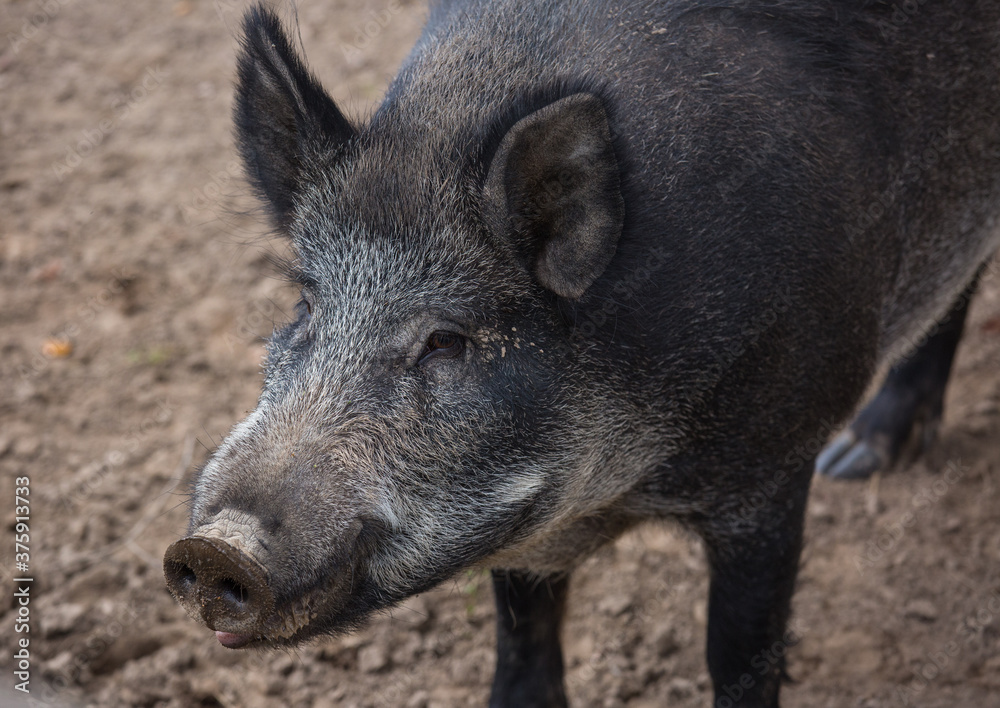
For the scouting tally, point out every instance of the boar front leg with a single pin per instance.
(529, 658)
(753, 563)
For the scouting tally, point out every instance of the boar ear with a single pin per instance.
(282, 113)
(554, 184)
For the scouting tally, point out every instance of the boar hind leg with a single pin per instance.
(753, 564)
(529, 659)
(907, 407)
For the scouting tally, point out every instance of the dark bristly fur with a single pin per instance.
(589, 264)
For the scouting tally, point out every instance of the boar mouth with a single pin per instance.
(234, 641)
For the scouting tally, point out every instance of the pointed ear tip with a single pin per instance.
(263, 48)
(261, 26)
(260, 14)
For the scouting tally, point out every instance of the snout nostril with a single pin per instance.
(181, 577)
(186, 578)
(233, 593)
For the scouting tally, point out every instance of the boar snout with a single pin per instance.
(220, 585)
(246, 583)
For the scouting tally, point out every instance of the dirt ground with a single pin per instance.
(124, 230)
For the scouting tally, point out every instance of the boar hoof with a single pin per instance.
(849, 457)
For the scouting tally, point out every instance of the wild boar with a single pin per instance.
(590, 264)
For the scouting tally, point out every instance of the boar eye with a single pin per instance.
(446, 345)
(304, 308)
